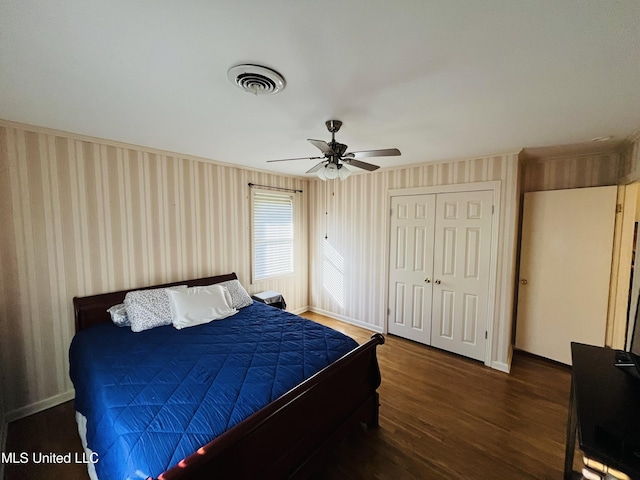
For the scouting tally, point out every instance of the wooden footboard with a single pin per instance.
(284, 439)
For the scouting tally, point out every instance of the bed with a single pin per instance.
(276, 423)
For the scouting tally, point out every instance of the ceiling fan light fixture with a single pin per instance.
(343, 172)
(331, 171)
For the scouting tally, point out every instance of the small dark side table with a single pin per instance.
(274, 299)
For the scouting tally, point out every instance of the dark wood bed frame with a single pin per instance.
(286, 438)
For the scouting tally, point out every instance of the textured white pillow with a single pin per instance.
(148, 308)
(198, 305)
(239, 296)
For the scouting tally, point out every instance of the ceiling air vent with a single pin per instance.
(256, 79)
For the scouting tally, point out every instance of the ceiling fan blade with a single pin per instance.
(322, 145)
(357, 163)
(316, 168)
(387, 152)
(300, 158)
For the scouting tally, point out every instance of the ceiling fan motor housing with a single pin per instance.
(338, 148)
(333, 125)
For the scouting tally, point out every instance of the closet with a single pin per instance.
(440, 255)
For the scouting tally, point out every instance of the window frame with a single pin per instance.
(282, 273)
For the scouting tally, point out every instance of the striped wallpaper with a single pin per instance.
(82, 216)
(630, 159)
(348, 268)
(579, 171)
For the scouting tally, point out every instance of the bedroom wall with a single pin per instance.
(630, 159)
(348, 269)
(81, 216)
(576, 171)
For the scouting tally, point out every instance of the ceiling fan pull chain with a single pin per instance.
(326, 210)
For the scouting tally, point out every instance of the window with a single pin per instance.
(272, 234)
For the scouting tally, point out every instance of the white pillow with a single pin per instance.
(198, 305)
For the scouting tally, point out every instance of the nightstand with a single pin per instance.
(271, 298)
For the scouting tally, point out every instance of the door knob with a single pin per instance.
(523, 281)
(437, 282)
(427, 280)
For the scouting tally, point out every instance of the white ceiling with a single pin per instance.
(439, 79)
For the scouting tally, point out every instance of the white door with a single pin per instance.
(440, 254)
(410, 266)
(565, 269)
(462, 259)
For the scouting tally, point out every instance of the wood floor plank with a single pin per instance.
(441, 417)
(51, 431)
(445, 416)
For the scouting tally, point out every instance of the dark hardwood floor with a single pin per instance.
(51, 431)
(441, 417)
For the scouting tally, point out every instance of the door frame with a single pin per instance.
(493, 186)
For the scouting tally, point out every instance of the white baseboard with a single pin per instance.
(504, 367)
(342, 318)
(501, 367)
(298, 311)
(39, 406)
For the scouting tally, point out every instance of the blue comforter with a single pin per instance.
(154, 397)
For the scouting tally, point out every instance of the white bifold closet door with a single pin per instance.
(440, 253)
(565, 270)
(411, 266)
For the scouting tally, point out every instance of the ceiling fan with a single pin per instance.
(334, 161)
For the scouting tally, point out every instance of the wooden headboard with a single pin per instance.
(93, 309)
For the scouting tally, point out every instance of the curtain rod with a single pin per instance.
(251, 185)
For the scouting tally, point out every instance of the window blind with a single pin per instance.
(272, 234)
